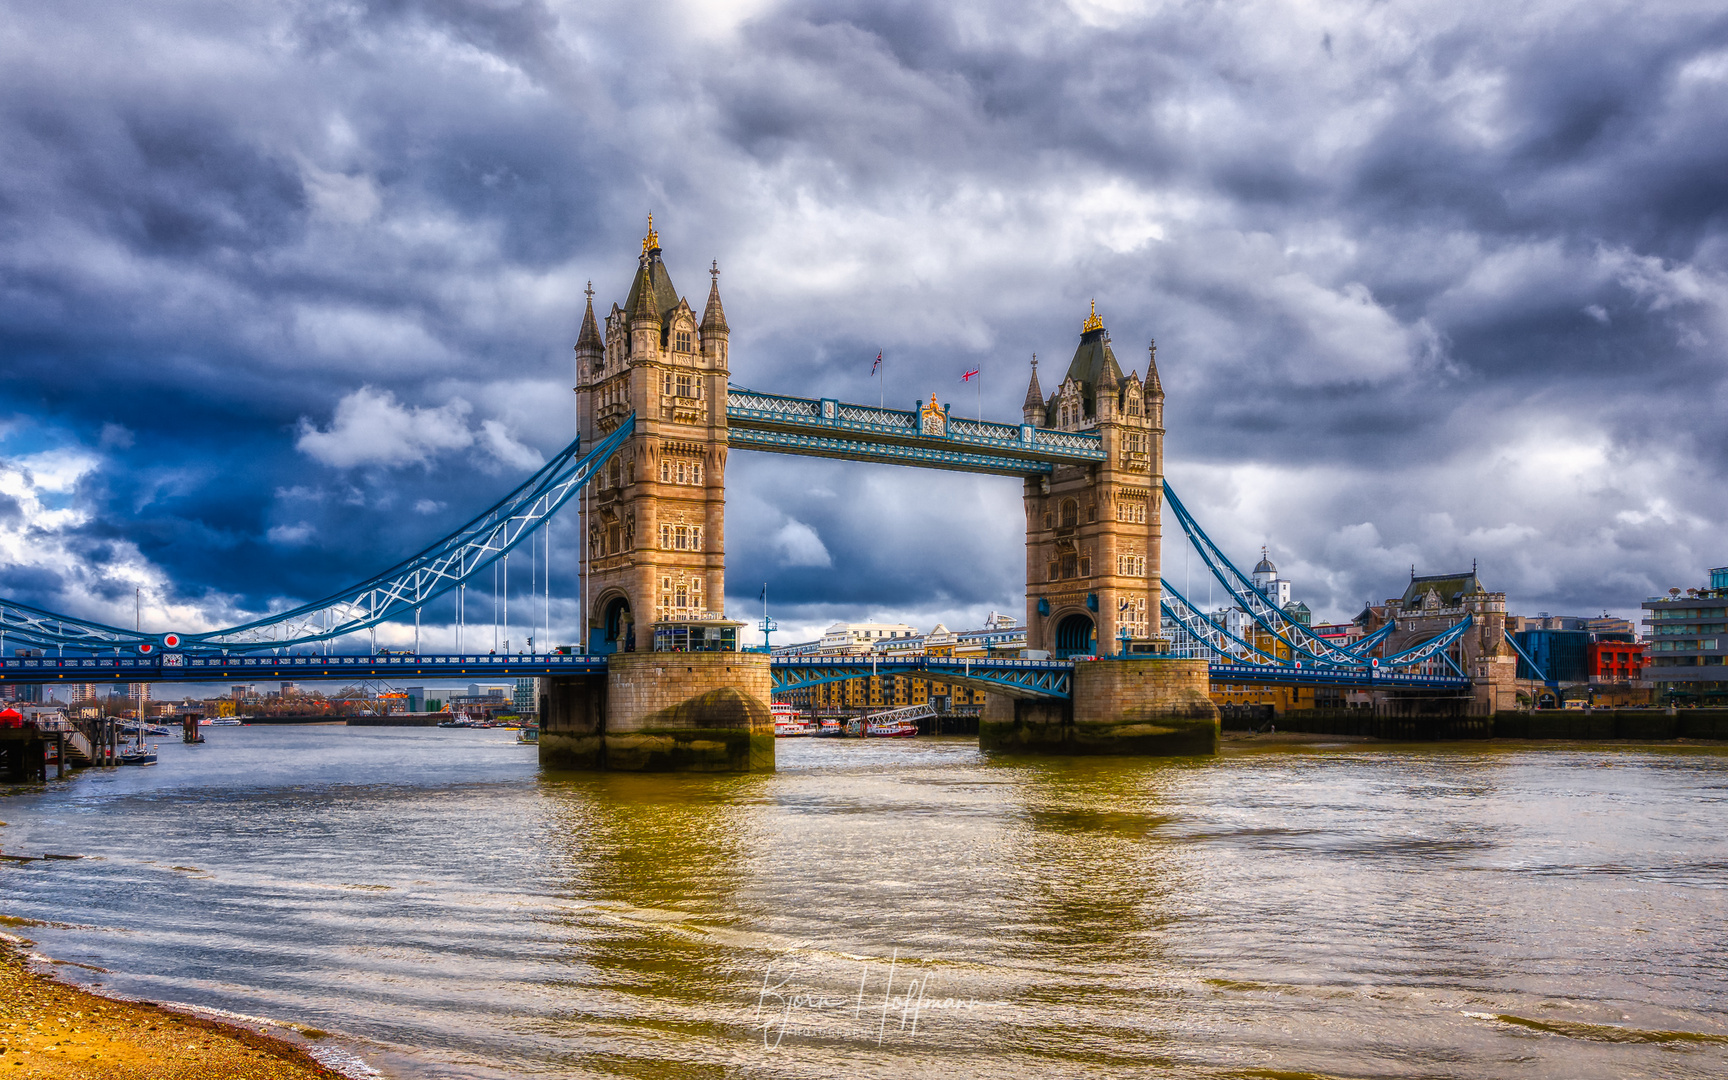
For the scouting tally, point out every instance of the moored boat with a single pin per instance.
(789, 724)
(137, 754)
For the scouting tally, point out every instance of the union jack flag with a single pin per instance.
(877, 364)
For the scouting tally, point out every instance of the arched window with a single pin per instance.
(1070, 513)
(683, 341)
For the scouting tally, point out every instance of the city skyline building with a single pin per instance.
(1687, 661)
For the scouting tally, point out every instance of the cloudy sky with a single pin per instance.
(288, 290)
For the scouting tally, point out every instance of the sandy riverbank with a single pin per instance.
(51, 1029)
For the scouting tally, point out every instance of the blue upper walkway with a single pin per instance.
(931, 437)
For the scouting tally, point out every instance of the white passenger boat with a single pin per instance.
(790, 724)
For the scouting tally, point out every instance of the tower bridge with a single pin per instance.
(1117, 660)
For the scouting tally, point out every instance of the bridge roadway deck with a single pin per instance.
(1014, 677)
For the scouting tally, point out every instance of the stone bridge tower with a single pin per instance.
(655, 520)
(1092, 531)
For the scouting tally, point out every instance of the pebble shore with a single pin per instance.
(51, 1029)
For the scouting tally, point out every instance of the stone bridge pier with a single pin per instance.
(1134, 705)
(662, 712)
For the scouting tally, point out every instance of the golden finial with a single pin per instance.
(652, 240)
(1093, 322)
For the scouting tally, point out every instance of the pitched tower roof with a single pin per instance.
(652, 296)
(1034, 393)
(714, 318)
(589, 338)
(1093, 359)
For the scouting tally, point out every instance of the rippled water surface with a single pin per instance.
(900, 908)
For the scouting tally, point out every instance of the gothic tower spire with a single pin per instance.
(714, 318)
(1032, 410)
(588, 342)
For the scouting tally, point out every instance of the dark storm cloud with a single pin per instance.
(1429, 281)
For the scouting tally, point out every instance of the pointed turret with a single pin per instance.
(588, 341)
(714, 318)
(1033, 408)
(1154, 388)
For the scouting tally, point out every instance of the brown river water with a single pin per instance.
(908, 907)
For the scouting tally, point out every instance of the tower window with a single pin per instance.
(1070, 513)
(684, 386)
(683, 341)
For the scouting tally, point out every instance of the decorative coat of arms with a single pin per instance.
(932, 420)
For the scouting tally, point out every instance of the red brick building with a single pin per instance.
(1615, 661)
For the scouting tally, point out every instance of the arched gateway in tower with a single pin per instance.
(678, 693)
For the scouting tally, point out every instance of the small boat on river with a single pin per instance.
(136, 754)
(790, 724)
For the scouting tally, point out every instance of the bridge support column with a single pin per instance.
(1121, 706)
(689, 712)
(662, 712)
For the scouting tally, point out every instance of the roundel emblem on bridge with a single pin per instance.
(1374, 661)
(146, 648)
(172, 641)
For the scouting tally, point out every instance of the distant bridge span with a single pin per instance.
(1011, 677)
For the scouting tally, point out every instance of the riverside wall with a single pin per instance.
(1640, 725)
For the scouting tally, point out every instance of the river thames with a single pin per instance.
(908, 907)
